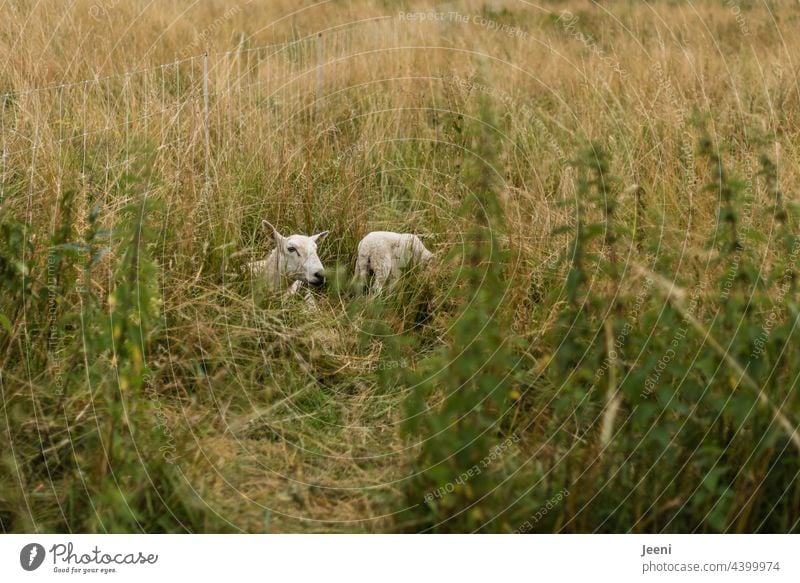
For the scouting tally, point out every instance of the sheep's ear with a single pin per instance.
(319, 236)
(268, 228)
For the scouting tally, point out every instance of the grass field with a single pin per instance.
(605, 342)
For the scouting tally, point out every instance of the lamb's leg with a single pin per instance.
(311, 303)
(382, 270)
(294, 288)
(362, 272)
(308, 298)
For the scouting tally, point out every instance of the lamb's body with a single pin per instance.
(384, 254)
(268, 270)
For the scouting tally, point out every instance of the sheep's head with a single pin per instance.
(297, 256)
(426, 256)
(421, 253)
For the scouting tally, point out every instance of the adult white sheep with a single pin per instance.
(293, 261)
(383, 255)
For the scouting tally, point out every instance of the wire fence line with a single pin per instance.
(189, 111)
(346, 28)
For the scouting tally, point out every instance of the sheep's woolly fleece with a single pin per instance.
(383, 254)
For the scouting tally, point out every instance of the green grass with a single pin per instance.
(604, 342)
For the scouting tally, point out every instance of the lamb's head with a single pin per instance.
(297, 256)
(420, 252)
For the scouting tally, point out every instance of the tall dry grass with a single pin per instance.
(283, 420)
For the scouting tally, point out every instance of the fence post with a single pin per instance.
(319, 72)
(206, 123)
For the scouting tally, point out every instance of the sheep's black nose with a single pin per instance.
(319, 278)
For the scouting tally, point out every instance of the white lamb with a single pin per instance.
(383, 255)
(293, 261)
